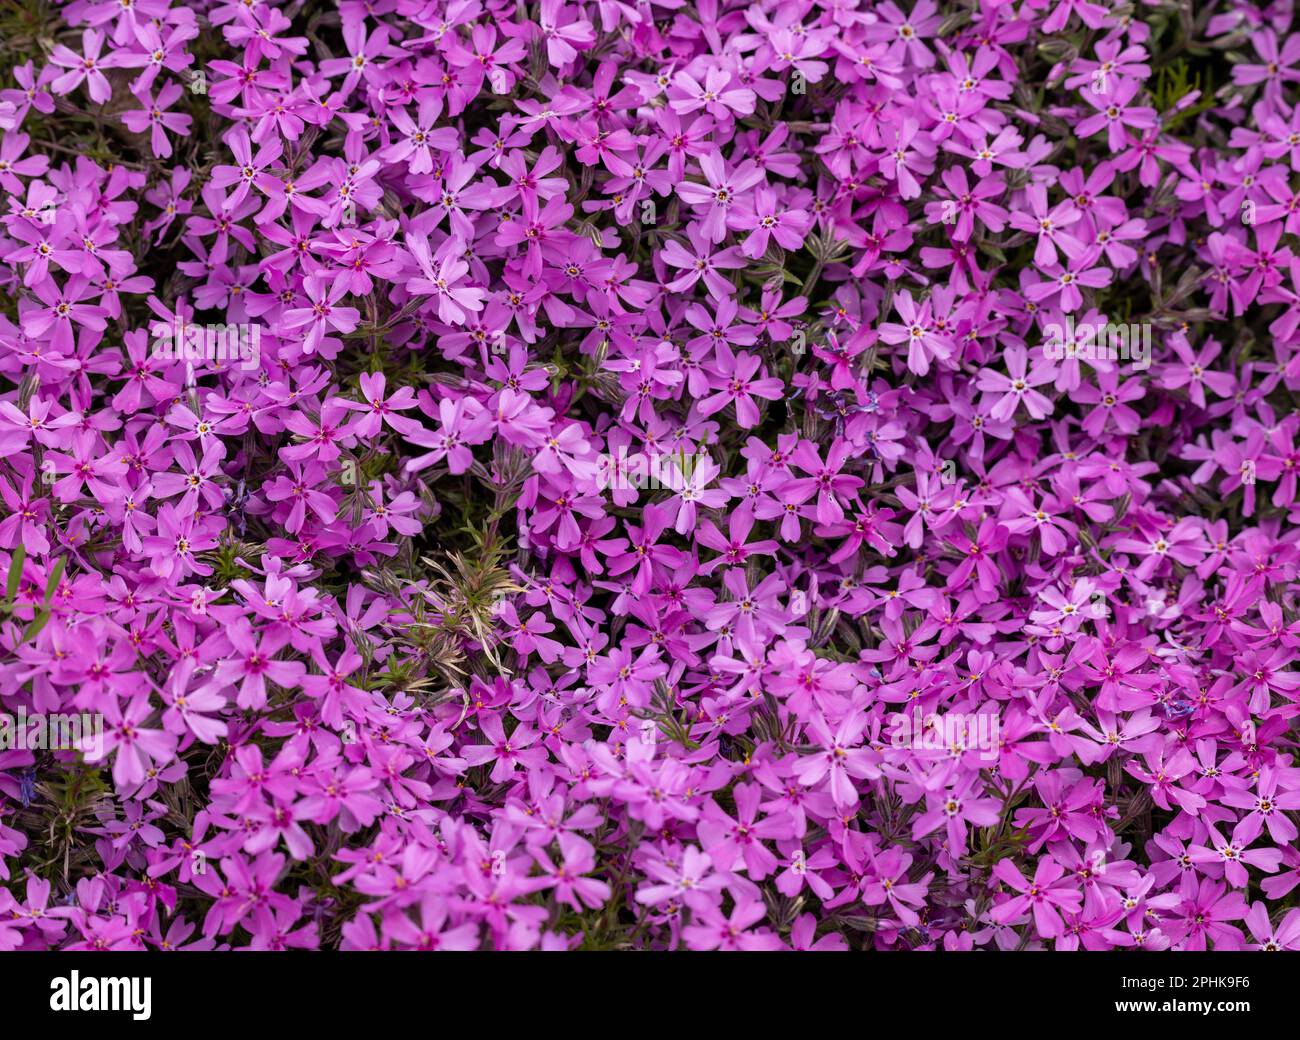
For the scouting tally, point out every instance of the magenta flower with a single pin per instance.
(1048, 895)
(720, 195)
(154, 117)
(507, 753)
(88, 66)
(442, 271)
(322, 316)
(924, 341)
(135, 747)
(737, 386)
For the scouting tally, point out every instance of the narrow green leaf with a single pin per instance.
(38, 623)
(15, 574)
(56, 575)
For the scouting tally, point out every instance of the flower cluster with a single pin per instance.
(807, 474)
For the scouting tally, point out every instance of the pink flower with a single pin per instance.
(88, 66)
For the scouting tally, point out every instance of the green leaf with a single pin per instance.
(38, 623)
(15, 574)
(56, 575)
